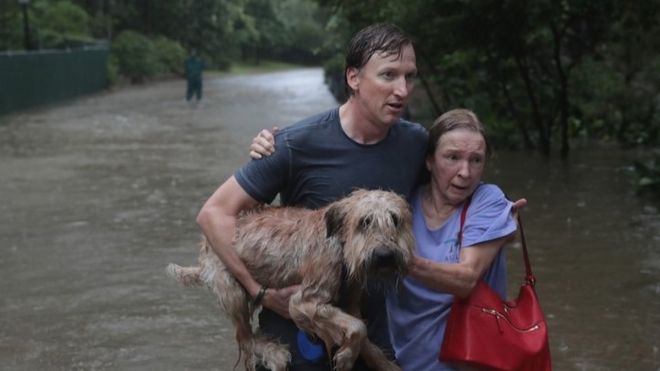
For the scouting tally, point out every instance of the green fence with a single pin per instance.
(30, 79)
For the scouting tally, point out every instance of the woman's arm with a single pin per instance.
(460, 278)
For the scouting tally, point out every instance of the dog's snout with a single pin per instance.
(384, 258)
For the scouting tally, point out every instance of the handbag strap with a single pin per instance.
(529, 276)
(463, 214)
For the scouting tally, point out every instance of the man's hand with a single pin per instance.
(277, 300)
(263, 144)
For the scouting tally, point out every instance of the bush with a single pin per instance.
(61, 24)
(648, 176)
(113, 70)
(11, 30)
(136, 57)
(170, 54)
(334, 77)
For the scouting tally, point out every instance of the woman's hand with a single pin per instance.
(518, 205)
(263, 144)
(515, 210)
(277, 300)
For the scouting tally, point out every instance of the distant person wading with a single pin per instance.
(194, 67)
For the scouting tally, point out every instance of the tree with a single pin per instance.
(513, 61)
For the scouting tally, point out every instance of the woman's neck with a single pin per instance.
(436, 209)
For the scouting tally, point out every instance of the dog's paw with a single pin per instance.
(275, 357)
(344, 360)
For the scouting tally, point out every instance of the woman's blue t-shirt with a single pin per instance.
(417, 314)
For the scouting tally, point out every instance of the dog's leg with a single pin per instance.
(236, 304)
(272, 355)
(333, 326)
(374, 357)
(187, 276)
(371, 354)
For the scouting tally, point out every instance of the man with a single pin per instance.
(362, 144)
(193, 68)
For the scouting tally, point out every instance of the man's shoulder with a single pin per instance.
(412, 129)
(317, 119)
(311, 125)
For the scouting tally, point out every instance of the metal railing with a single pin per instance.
(33, 78)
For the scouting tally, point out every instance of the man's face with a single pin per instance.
(382, 87)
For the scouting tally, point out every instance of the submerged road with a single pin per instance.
(99, 194)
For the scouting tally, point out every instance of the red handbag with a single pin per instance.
(486, 332)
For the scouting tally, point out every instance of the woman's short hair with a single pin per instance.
(459, 118)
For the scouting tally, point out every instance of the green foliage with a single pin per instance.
(52, 24)
(546, 71)
(11, 28)
(170, 54)
(334, 77)
(60, 24)
(303, 23)
(222, 30)
(135, 56)
(113, 70)
(648, 176)
(543, 73)
(287, 30)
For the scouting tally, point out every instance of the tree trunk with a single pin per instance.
(515, 114)
(147, 17)
(544, 140)
(427, 86)
(563, 92)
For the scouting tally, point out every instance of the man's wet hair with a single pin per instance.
(384, 38)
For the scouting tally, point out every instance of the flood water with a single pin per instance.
(98, 195)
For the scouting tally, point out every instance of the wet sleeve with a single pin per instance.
(488, 217)
(264, 178)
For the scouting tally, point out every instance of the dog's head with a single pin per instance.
(374, 230)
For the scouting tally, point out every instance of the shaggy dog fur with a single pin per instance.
(366, 235)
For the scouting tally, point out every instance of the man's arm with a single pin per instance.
(217, 219)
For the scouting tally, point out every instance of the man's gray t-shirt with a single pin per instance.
(316, 163)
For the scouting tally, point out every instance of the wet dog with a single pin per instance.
(363, 236)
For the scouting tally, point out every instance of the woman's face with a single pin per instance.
(457, 164)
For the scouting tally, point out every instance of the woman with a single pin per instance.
(444, 268)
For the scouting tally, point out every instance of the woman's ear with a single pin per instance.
(429, 162)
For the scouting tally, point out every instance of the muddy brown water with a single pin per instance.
(97, 195)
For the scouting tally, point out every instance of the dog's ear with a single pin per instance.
(334, 219)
